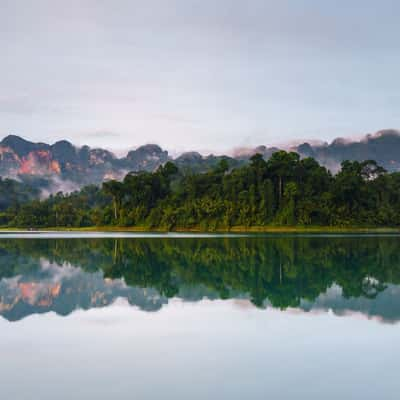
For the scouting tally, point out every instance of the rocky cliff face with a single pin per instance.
(21, 159)
(383, 147)
(64, 166)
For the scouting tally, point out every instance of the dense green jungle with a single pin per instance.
(285, 190)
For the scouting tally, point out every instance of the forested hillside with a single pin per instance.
(285, 190)
(66, 167)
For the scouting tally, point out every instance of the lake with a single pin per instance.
(124, 316)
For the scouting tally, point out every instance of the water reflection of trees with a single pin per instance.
(282, 270)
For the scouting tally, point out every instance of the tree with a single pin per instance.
(116, 190)
(282, 167)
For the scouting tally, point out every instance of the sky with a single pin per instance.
(198, 75)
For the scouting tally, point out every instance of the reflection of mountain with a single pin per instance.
(345, 274)
(385, 306)
(63, 289)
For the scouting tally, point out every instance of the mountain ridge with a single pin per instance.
(62, 161)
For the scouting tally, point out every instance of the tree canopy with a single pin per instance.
(284, 190)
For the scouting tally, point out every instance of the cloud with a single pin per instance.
(189, 73)
(100, 134)
(16, 105)
(59, 185)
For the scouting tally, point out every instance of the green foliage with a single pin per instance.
(14, 193)
(285, 190)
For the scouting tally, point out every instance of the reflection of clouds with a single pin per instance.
(118, 316)
(243, 304)
(57, 272)
(12, 283)
(338, 313)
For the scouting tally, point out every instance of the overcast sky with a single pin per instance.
(204, 75)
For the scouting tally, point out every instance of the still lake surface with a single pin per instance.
(123, 316)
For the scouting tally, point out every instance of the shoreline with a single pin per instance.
(236, 229)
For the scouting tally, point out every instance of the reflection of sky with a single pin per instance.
(198, 350)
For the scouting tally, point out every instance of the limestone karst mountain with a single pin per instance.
(63, 166)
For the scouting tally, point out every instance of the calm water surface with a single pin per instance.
(199, 316)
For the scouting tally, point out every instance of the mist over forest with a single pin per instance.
(64, 167)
